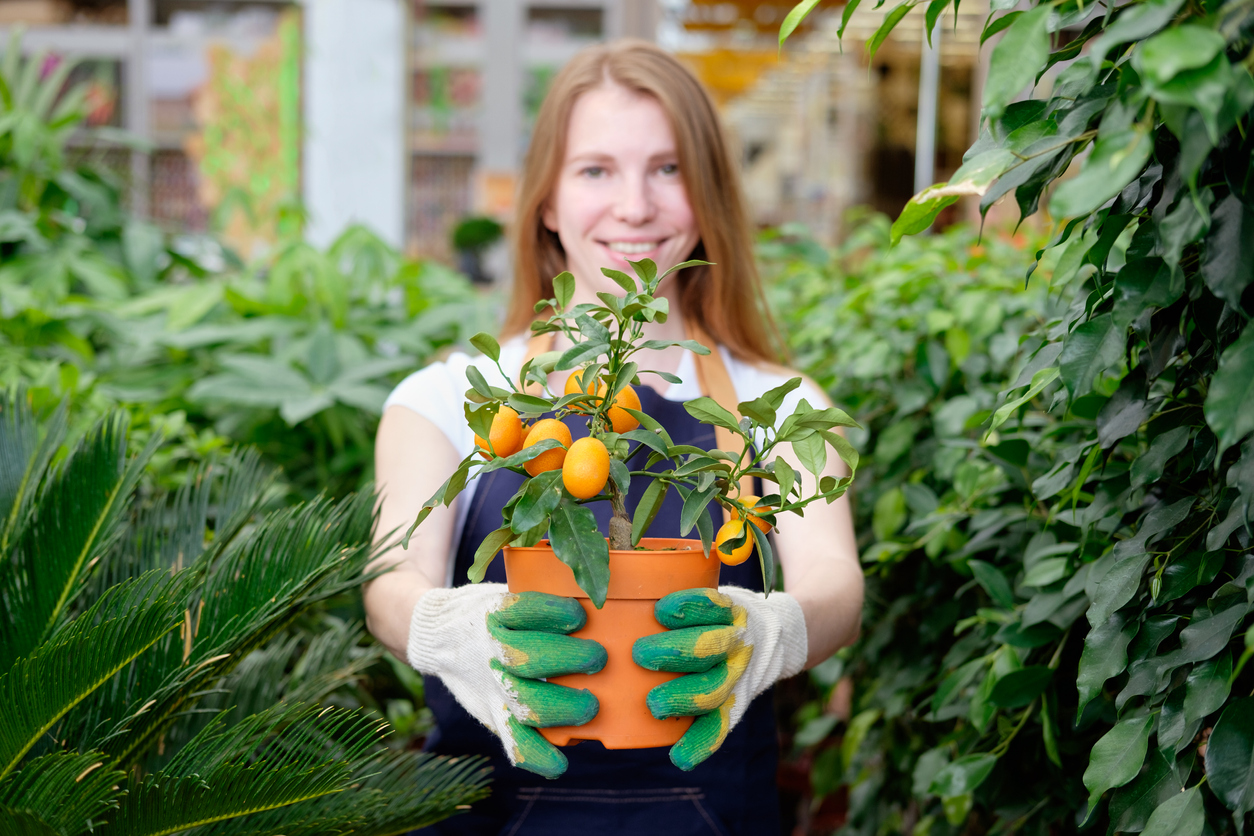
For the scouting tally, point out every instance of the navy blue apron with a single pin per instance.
(623, 791)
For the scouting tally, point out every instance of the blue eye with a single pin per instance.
(669, 169)
(593, 172)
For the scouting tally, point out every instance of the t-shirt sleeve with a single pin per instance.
(438, 392)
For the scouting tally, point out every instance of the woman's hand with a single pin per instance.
(493, 649)
(733, 644)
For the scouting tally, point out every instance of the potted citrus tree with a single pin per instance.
(550, 537)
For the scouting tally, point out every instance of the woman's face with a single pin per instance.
(619, 194)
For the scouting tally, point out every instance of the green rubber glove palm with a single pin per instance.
(493, 649)
(732, 644)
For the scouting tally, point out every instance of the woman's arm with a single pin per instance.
(819, 557)
(412, 459)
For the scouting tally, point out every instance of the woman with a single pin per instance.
(627, 162)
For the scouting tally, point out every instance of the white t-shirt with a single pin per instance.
(438, 393)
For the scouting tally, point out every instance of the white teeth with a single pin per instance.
(630, 248)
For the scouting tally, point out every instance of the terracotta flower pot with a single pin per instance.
(638, 578)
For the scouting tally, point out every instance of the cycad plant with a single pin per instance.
(157, 669)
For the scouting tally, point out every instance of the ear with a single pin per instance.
(548, 216)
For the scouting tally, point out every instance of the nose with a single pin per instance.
(635, 204)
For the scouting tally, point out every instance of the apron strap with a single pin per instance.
(717, 384)
(712, 377)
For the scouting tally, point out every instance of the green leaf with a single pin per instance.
(1017, 58)
(1229, 406)
(793, 19)
(646, 511)
(890, 23)
(1179, 48)
(564, 289)
(707, 411)
(523, 456)
(684, 265)
(487, 344)
(1019, 688)
(478, 383)
(1040, 380)
(1230, 757)
(856, 733)
(766, 557)
(845, 16)
(487, 550)
(812, 451)
(1132, 805)
(1091, 349)
(1117, 159)
(1117, 757)
(1181, 815)
(963, 775)
(1105, 655)
(1228, 262)
(695, 503)
(993, 582)
(1207, 687)
(1047, 571)
(620, 278)
(889, 514)
(529, 404)
(576, 541)
(919, 214)
(540, 497)
(785, 476)
(996, 25)
(1135, 22)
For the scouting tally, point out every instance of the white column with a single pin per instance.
(354, 106)
(925, 132)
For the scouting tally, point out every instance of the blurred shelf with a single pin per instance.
(75, 39)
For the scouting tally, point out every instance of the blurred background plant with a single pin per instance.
(293, 352)
(1060, 569)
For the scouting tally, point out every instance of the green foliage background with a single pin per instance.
(1061, 574)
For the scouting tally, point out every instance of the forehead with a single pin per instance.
(611, 120)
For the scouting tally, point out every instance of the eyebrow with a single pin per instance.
(598, 157)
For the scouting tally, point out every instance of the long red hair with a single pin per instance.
(726, 300)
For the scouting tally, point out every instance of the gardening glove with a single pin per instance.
(493, 648)
(733, 644)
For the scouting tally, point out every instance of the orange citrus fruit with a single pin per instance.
(623, 420)
(549, 459)
(730, 531)
(574, 384)
(506, 434)
(751, 502)
(586, 469)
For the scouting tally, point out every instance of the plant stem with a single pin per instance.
(620, 523)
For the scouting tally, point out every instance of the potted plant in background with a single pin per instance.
(551, 539)
(471, 238)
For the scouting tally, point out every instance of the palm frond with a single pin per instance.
(25, 459)
(24, 823)
(292, 560)
(171, 534)
(417, 789)
(335, 659)
(398, 792)
(40, 688)
(275, 759)
(75, 520)
(71, 789)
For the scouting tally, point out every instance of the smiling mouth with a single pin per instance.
(632, 247)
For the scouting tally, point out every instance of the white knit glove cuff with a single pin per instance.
(448, 638)
(776, 629)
